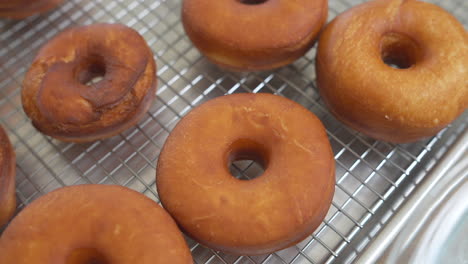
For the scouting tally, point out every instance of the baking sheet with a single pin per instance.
(373, 177)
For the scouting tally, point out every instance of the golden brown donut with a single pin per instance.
(55, 95)
(276, 210)
(396, 105)
(7, 179)
(252, 34)
(18, 9)
(100, 224)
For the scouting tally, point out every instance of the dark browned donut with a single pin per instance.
(18, 9)
(7, 179)
(55, 95)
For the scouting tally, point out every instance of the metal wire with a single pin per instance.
(369, 172)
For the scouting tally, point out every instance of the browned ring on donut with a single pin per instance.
(7, 179)
(18, 9)
(57, 98)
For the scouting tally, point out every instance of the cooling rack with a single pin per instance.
(373, 177)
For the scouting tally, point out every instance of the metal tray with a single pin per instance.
(373, 177)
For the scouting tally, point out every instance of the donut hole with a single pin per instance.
(247, 160)
(246, 169)
(86, 256)
(252, 2)
(399, 51)
(92, 71)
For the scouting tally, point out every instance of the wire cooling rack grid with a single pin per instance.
(373, 177)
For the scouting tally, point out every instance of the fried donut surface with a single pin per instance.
(427, 91)
(105, 224)
(273, 211)
(60, 100)
(18, 9)
(7, 179)
(251, 34)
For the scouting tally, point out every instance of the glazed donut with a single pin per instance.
(18, 9)
(93, 224)
(7, 179)
(252, 34)
(428, 90)
(276, 210)
(57, 98)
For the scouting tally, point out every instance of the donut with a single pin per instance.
(60, 98)
(276, 210)
(424, 91)
(7, 179)
(99, 224)
(253, 35)
(18, 9)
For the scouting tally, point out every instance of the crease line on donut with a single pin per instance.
(205, 186)
(300, 215)
(302, 147)
(253, 119)
(283, 126)
(278, 134)
(204, 217)
(394, 8)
